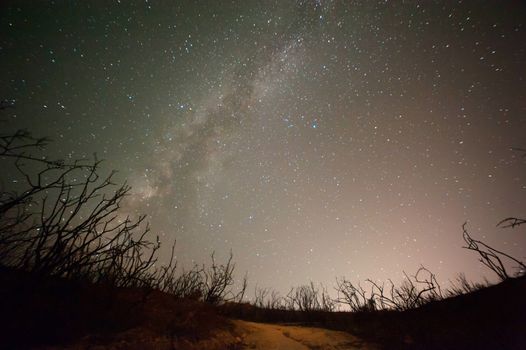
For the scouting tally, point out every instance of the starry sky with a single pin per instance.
(314, 139)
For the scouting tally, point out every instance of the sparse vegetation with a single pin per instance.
(491, 257)
(61, 221)
(461, 285)
(308, 298)
(66, 220)
(72, 259)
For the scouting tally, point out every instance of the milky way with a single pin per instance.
(313, 139)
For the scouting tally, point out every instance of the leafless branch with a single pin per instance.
(489, 256)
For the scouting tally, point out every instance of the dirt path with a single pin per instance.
(245, 335)
(281, 337)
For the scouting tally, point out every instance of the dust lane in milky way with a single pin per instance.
(314, 139)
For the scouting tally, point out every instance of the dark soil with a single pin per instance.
(490, 318)
(39, 312)
(54, 312)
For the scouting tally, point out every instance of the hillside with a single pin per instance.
(491, 318)
(59, 314)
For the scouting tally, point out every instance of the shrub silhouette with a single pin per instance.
(307, 298)
(65, 220)
(491, 257)
(414, 291)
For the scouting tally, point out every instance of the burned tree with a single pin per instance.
(491, 257)
(60, 218)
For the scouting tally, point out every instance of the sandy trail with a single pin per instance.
(281, 337)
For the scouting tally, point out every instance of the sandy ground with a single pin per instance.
(277, 337)
(245, 335)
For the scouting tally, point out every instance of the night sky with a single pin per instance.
(314, 139)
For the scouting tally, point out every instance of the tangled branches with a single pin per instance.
(414, 291)
(65, 220)
(491, 257)
(309, 298)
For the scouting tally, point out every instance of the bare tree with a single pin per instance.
(309, 298)
(327, 303)
(61, 218)
(491, 257)
(511, 222)
(261, 297)
(268, 299)
(461, 285)
(354, 296)
(414, 291)
(217, 281)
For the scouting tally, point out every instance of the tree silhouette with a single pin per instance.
(65, 219)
